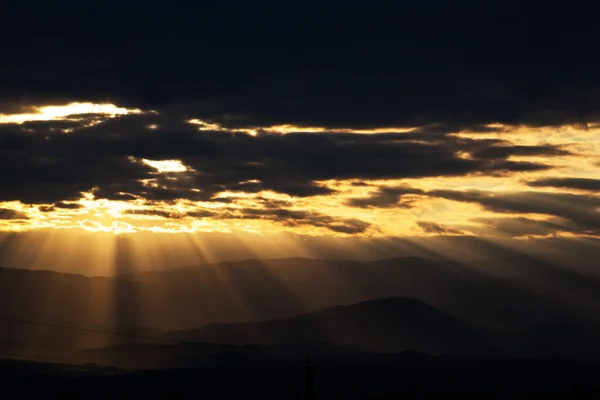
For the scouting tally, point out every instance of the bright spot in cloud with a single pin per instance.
(50, 113)
(207, 126)
(116, 228)
(285, 129)
(166, 165)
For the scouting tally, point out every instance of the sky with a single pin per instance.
(232, 128)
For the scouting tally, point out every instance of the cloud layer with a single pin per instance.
(329, 117)
(330, 63)
(155, 165)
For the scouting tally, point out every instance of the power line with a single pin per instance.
(73, 328)
(28, 357)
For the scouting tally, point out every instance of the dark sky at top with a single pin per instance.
(325, 63)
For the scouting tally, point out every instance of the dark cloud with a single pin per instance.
(273, 211)
(156, 213)
(571, 212)
(360, 184)
(568, 183)
(201, 214)
(6, 213)
(434, 227)
(523, 202)
(59, 125)
(299, 189)
(508, 151)
(520, 226)
(59, 205)
(170, 214)
(320, 63)
(68, 206)
(580, 212)
(299, 218)
(48, 167)
(386, 197)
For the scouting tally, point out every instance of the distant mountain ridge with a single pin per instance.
(495, 297)
(385, 325)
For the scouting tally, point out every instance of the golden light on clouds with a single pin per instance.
(62, 112)
(288, 128)
(166, 165)
(390, 207)
(116, 227)
(583, 145)
(214, 127)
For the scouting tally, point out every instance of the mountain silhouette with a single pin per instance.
(32, 301)
(385, 325)
(488, 294)
(499, 298)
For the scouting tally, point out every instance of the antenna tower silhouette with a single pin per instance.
(309, 390)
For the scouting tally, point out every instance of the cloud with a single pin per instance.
(385, 86)
(59, 205)
(568, 183)
(67, 206)
(264, 209)
(580, 212)
(49, 166)
(116, 159)
(6, 213)
(435, 228)
(569, 212)
(355, 67)
(523, 202)
(508, 151)
(386, 197)
(520, 226)
(300, 218)
(157, 213)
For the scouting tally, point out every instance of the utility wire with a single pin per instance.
(29, 357)
(73, 328)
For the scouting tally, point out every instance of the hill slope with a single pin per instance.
(511, 295)
(386, 325)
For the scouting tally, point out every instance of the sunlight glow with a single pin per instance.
(208, 126)
(166, 165)
(288, 128)
(352, 207)
(66, 112)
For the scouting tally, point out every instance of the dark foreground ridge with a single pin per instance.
(366, 376)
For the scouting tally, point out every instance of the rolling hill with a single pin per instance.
(385, 325)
